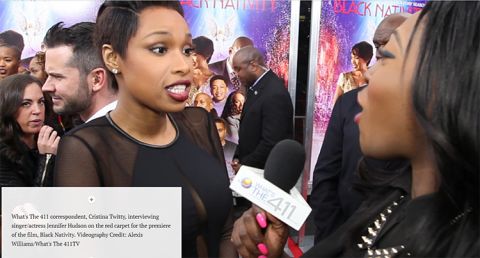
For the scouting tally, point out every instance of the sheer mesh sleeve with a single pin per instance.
(76, 164)
(200, 127)
(227, 249)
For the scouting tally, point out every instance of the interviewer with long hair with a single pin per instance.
(421, 104)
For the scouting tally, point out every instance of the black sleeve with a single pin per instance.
(9, 173)
(227, 249)
(277, 124)
(324, 196)
(76, 163)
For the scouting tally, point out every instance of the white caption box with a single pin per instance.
(91, 222)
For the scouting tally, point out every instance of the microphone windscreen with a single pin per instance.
(285, 164)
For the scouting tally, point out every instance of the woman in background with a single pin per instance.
(232, 113)
(419, 107)
(25, 142)
(361, 55)
(148, 138)
(11, 47)
(37, 67)
(9, 60)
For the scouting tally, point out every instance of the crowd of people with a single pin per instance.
(126, 100)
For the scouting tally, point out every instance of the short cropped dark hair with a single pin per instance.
(80, 37)
(363, 50)
(13, 40)
(221, 120)
(117, 21)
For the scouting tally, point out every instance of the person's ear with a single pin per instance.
(253, 66)
(98, 79)
(111, 58)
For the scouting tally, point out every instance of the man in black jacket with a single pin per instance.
(267, 116)
(333, 198)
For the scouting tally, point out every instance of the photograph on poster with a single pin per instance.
(342, 25)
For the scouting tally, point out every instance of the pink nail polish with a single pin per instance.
(262, 248)
(262, 256)
(261, 220)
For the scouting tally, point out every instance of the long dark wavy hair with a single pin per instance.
(446, 99)
(12, 89)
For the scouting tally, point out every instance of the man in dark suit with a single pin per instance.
(333, 198)
(224, 67)
(267, 116)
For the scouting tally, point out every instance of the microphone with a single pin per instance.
(275, 193)
(285, 164)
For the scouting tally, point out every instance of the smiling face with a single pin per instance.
(388, 127)
(9, 61)
(357, 62)
(31, 114)
(156, 71)
(219, 90)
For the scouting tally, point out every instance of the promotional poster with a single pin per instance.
(32, 19)
(265, 22)
(342, 25)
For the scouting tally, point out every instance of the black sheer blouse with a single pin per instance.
(99, 153)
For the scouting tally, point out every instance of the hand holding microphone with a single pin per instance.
(253, 240)
(283, 167)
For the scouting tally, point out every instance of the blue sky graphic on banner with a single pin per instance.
(32, 19)
(266, 22)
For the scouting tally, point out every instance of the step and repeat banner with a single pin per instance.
(32, 19)
(271, 24)
(266, 22)
(337, 25)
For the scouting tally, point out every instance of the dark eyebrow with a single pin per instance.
(163, 33)
(157, 33)
(56, 75)
(399, 42)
